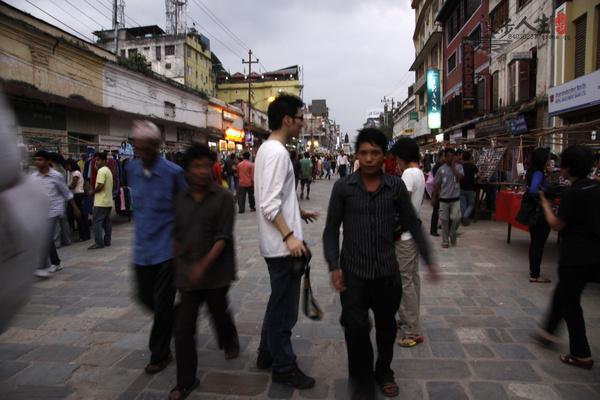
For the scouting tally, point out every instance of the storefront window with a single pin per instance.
(222, 145)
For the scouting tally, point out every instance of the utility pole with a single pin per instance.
(250, 62)
(116, 26)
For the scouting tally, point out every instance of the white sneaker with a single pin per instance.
(54, 268)
(42, 273)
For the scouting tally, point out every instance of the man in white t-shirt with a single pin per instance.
(281, 241)
(342, 164)
(407, 155)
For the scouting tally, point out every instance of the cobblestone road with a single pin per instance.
(82, 336)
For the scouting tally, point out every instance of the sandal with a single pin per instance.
(389, 388)
(576, 362)
(410, 340)
(181, 394)
(539, 279)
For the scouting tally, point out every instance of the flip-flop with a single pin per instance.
(389, 389)
(540, 280)
(410, 340)
(183, 393)
(570, 360)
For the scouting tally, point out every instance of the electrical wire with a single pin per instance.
(110, 10)
(98, 11)
(85, 14)
(59, 21)
(216, 38)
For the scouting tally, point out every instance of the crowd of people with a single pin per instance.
(184, 242)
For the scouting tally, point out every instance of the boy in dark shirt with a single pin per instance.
(205, 267)
(467, 188)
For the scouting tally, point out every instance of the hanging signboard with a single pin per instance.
(434, 107)
(468, 78)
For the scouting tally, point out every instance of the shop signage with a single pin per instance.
(234, 135)
(248, 138)
(518, 125)
(413, 116)
(579, 93)
(468, 76)
(434, 107)
(408, 131)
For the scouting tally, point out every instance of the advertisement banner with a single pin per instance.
(468, 78)
(434, 106)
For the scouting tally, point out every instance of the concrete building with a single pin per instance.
(232, 88)
(465, 86)
(405, 117)
(429, 44)
(185, 58)
(575, 95)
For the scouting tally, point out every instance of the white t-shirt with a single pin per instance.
(275, 192)
(79, 188)
(415, 183)
(342, 160)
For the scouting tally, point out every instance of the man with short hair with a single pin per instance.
(446, 193)
(246, 183)
(306, 175)
(205, 267)
(103, 202)
(467, 187)
(342, 164)
(280, 235)
(155, 182)
(370, 205)
(57, 190)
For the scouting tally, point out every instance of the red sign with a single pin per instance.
(561, 23)
(468, 76)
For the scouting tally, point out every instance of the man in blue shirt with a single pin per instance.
(154, 183)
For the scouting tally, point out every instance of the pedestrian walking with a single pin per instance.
(154, 184)
(327, 168)
(76, 185)
(467, 187)
(370, 205)
(441, 159)
(407, 155)
(447, 192)
(342, 164)
(538, 226)
(306, 175)
(246, 183)
(53, 184)
(280, 237)
(390, 164)
(205, 265)
(103, 203)
(578, 220)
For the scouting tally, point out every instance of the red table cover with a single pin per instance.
(508, 204)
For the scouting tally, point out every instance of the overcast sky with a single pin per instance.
(353, 52)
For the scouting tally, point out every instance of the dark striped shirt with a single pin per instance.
(369, 220)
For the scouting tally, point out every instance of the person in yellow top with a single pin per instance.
(103, 202)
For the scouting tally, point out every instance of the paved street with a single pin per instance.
(82, 336)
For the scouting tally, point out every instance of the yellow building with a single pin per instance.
(232, 88)
(198, 65)
(575, 95)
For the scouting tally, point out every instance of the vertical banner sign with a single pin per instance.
(468, 78)
(434, 107)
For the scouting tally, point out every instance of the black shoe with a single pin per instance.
(106, 244)
(253, 209)
(295, 378)
(264, 360)
(232, 353)
(241, 212)
(153, 368)
(434, 234)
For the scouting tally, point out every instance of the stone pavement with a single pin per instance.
(82, 336)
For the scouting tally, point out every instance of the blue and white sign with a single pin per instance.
(579, 93)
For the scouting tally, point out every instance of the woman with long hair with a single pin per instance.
(538, 227)
(578, 220)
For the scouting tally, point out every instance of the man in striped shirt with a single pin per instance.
(370, 205)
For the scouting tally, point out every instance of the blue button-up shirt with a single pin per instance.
(153, 200)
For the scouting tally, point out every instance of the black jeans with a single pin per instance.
(157, 293)
(566, 304)
(102, 224)
(383, 297)
(241, 194)
(281, 314)
(186, 316)
(539, 235)
(434, 220)
(83, 225)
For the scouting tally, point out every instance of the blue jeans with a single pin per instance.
(282, 314)
(467, 202)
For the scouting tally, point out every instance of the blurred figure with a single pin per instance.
(433, 230)
(467, 188)
(578, 220)
(306, 175)
(246, 183)
(75, 183)
(57, 191)
(24, 229)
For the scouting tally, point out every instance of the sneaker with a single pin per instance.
(55, 268)
(264, 360)
(295, 378)
(42, 273)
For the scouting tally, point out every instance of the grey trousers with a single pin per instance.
(101, 224)
(450, 216)
(407, 254)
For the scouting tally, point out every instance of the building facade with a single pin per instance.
(429, 53)
(405, 117)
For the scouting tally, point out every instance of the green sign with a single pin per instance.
(434, 104)
(413, 116)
